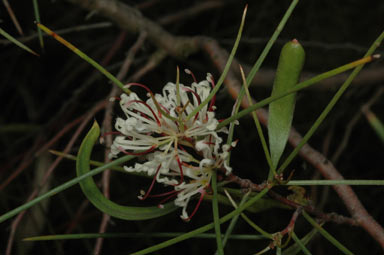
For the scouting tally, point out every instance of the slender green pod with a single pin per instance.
(97, 198)
(291, 62)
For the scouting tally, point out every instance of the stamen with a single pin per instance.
(137, 153)
(191, 74)
(202, 192)
(128, 85)
(213, 100)
(164, 109)
(197, 97)
(172, 192)
(142, 102)
(191, 166)
(169, 197)
(149, 91)
(194, 93)
(181, 170)
(151, 186)
(210, 140)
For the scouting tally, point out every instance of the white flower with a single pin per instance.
(165, 164)
(160, 130)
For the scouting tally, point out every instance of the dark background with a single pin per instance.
(43, 94)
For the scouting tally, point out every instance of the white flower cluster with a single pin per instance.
(159, 130)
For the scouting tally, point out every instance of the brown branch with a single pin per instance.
(345, 192)
(153, 61)
(292, 222)
(190, 12)
(373, 75)
(131, 19)
(247, 184)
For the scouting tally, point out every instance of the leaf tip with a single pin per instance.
(244, 12)
(95, 124)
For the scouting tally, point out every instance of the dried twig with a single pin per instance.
(107, 125)
(190, 12)
(13, 17)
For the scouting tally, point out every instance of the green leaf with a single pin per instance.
(281, 111)
(215, 208)
(37, 18)
(327, 235)
(232, 224)
(225, 71)
(375, 123)
(135, 235)
(84, 56)
(94, 195)
(300, 86)
(300, 243)
(15, 41)
(333, 102)
(252, 74)
(202, 229)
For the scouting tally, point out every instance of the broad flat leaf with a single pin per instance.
(281, 111)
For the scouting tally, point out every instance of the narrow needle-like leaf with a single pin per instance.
(37, 17)
(64, 186)
(225, 71)
(375, 123)
(215, 208)
(15, 41)
(84, 56)
(328, 236)
(203, 228)
(298, 87)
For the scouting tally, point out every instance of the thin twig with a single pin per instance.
(107, 126)
(292, 222)
(13, 17)
(153, 61)
(60, 134)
